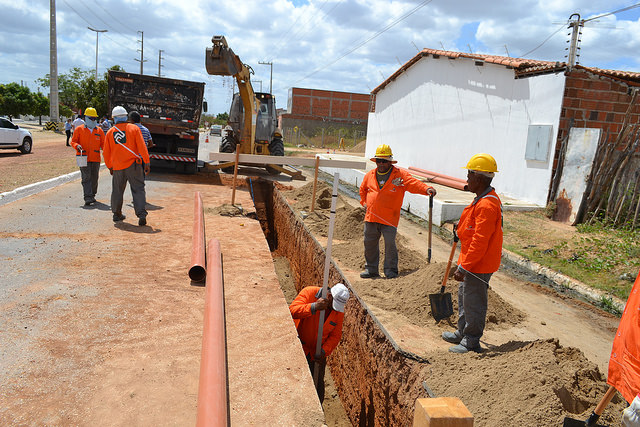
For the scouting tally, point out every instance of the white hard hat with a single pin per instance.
(118, 111)
(340, 295)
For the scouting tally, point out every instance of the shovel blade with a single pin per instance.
(441, 305)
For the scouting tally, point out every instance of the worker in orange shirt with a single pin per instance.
(480, 233)
(305, 310)
(127, 158)
(88, 140)
(381, 193)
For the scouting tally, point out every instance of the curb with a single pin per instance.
(38, 187)
(560, 282)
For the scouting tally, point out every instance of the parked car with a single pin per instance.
(216, 130)
(12, 136)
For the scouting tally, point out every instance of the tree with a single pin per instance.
(40, 105)
(15, 100)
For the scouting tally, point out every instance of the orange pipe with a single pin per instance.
(442, 181)
(197, 271)
(441, 175)
(213, 397)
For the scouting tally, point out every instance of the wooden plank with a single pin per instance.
(441, 412)
(288, 160)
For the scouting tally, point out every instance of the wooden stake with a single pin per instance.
(315, 183)
(235, 175)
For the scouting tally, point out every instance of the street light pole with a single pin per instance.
(97, 34)
(271, 76)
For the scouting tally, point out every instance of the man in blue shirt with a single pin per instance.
(134, 117)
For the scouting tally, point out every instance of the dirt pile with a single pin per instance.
(525, 383)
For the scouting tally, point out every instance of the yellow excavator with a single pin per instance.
(252, 117)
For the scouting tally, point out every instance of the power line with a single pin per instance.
(545, 40)
(613, 13)
(359, 45)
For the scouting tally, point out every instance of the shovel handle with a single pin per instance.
(446, 272)
(430, 226)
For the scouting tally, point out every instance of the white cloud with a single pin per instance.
(311, 43)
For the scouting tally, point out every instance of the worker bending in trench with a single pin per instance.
(305, 310)
(381, 193)
(480, 233)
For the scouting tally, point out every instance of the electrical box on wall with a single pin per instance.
(538, 142)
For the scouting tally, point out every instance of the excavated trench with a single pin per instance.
(376, 381)
(528, 383)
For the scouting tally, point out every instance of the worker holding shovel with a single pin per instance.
(480, 233)
(381, 193)
(305, 310)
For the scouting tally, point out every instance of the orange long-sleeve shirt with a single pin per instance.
(307, 322)
(384, 204)
(92, 141)
(480, 232)
(122, 135)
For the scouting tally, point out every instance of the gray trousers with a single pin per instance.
(472, 307)
(89, 175)
(372, 233)
(135, 175)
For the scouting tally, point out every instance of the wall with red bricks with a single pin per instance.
(329, 105)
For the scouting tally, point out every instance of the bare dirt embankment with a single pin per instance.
(526, 382)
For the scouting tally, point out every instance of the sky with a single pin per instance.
(341, 45)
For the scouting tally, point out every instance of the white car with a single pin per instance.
(12, 136)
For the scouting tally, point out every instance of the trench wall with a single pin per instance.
(378, 382)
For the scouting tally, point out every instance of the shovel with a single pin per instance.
(441, 304)
(430, 225)
(593, 418)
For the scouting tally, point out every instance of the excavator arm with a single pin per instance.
(222, 61)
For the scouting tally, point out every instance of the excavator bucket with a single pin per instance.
(220, 59)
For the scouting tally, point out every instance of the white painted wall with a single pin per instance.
(440, 112)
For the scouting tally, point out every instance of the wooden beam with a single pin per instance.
(288, 160)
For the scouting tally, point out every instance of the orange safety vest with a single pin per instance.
(480, 232)
(624, 364)
(92, 141)
(384, 204)
(122, 135)
(307, 323)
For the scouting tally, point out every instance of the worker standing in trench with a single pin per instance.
(305, 310)
(480, 233)
(381, 193)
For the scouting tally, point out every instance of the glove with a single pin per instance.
(79, 148)
(631, 415)
(431, 191)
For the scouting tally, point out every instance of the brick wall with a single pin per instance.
(330, 105)
(594, 101)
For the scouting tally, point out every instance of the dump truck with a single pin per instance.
(252, 116)
(169, 108)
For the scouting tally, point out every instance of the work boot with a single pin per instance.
(391, 275)
(118, 217)
(452, 337)
(368, 274)
(460, 349)
(142, 221)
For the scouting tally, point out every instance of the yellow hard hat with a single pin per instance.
(483, 163)
(91, 112)
(384, 152)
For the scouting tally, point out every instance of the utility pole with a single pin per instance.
(97, 34)
(160, 62)
(271, 77)
(576, 27)
(141, 50)
(53, 65)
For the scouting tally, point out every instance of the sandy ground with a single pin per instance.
(544, 356)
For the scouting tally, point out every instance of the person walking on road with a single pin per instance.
(480, 233)
(67, 129)
(305, 310)
(88, 140)
(77, 122)
(127, 158)
(134, 117)
(381, 193)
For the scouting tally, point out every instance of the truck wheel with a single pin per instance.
(228, 145)
(276, 148)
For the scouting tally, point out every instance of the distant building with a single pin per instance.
(311, 110)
